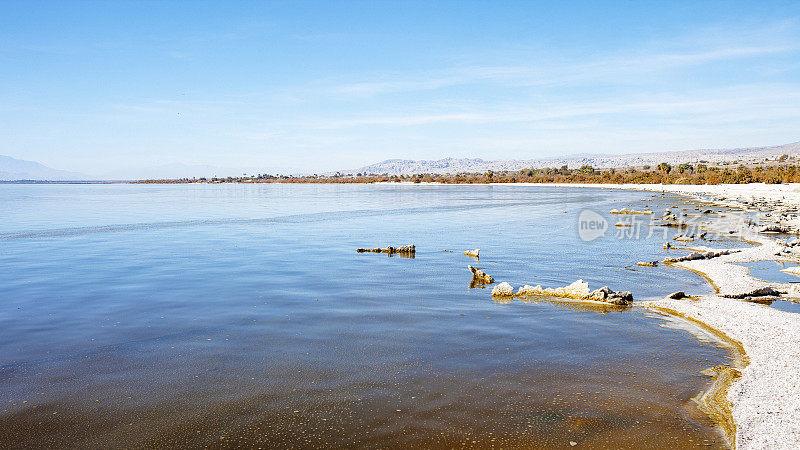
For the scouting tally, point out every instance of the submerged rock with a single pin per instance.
(480, 277)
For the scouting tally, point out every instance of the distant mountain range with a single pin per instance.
(12, 169)
(476, 165)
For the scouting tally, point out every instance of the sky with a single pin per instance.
(325, 85)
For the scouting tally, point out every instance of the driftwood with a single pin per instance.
(404, 250)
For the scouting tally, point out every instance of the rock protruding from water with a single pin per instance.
(699, 255)
(647, 263)
(630, 211)
(775, 228)
(474, 253)
(503, 290)
(670, 219)
(766, 291)
(606, 295)
(405, 250)
(579, 290)
(480, 277)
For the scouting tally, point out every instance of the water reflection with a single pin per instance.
(228, 329)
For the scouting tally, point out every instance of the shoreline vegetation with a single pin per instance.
(784, 169)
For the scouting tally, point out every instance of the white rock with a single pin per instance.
(503, 290)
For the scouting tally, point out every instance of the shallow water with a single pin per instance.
(150, 315)
(786, 305)
(771, 271)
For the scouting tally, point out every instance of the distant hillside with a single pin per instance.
(462, 165)
(12, 169)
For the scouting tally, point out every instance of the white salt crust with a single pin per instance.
(766, 399)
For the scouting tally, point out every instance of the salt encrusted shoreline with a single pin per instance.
(765, 400)
(763, 390)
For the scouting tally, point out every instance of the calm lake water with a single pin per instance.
(241, 315)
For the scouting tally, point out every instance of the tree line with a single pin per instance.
(663, 173)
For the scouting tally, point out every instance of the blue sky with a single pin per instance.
(94, 86)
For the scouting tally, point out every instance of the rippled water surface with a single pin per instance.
(241, 315)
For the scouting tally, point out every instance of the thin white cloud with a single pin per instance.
(739, 103)
(709, 45)
(546, 73)
(633, 99)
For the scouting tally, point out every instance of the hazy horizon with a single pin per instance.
(300, 86)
